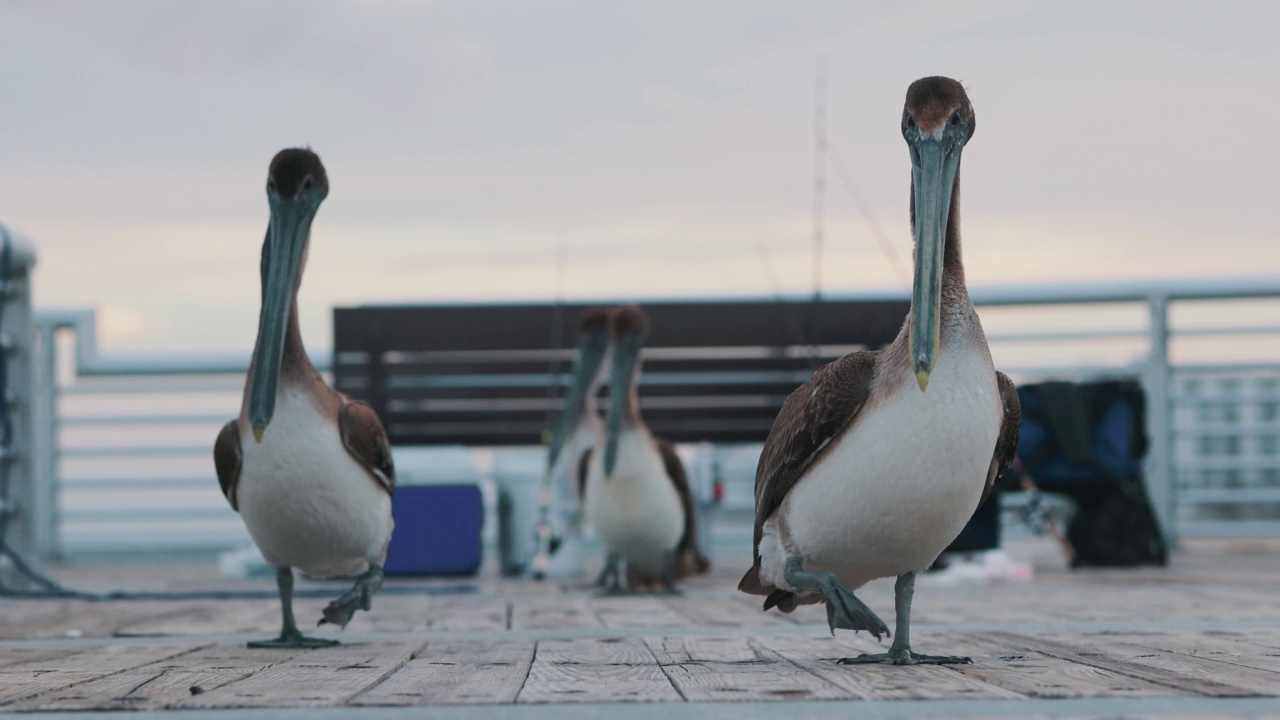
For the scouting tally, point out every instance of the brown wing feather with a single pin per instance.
(366, 440)
(812, 416)
(1010, 426)
(226, 461)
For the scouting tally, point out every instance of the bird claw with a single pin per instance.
(340, 611)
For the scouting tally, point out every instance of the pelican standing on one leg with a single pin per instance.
(876, 463)
(637, 496)
(307, 468)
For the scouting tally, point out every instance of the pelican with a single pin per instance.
(637, 496)
(307, 468)
(876, 463)
(579, 427)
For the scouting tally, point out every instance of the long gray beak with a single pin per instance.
(934, 164)
(625, 356)
(586, 368)
(281, 264)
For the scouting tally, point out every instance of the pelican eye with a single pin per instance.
(911, 121)
(271, 183)
(955, 117)
(308, 183)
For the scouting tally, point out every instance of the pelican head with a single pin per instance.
(296, 185)
(593, 345)
(630, 327)
(936, 122)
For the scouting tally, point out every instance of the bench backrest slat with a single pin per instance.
(491, 375)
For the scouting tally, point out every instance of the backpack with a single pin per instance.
(1087, 441)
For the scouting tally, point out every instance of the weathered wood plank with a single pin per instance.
(467, 612)
(25, 654)
(553, 612)
(1205, 677)
(206, 617)
(706, 669)
(636, 611)
(324, 677)
(161, 684)
(457, 673)
(23, 680)
(1235, 648)
(596, 670)
(1036, 675)
(707, 610)
(818, 655)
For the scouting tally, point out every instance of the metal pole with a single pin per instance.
(1160, 473)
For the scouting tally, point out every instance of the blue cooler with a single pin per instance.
(439, 512)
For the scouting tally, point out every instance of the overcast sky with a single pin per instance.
(667, 145)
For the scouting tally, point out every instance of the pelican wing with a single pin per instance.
(366, 440)
(226, 460)
(689, 560)
(1010, 426)
(814, 415)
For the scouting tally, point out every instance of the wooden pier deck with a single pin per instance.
(1198, 639)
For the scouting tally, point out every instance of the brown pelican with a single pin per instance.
(307, 468)
(637, 497)
(876, 463)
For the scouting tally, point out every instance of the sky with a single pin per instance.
(661, 148)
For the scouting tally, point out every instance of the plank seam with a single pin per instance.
(383, 677)
(679, 690)
(523, 683)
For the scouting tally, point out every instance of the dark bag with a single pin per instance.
(1087, 441)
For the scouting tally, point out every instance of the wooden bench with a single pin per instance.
(494, 375)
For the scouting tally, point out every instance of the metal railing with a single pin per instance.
(23, 505)
(125, 442)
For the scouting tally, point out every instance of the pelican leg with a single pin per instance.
(290, 636)
(900, 652)
(609, 572)
(611, 576)
(359, 597)
(844, 610)
(669, 565)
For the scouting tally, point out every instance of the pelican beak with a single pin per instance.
(586, 368)
(626, 355)
(935, 161)
(282, 254)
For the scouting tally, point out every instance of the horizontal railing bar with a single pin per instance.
(146, 513)
(138, 483)
(136, 451)
(127, 420)
(1186, 398)
(1068, 335)
(1249, 430)
(1227, 462)
(1229, 528)
(1235, 495)
(196, 385)
(1226, 331)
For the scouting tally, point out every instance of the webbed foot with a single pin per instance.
(844, 609)
(904, 657)
(359, 597)
(293, 639)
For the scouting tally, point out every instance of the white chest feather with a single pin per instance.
(637, 512)
(896, 489)
(307, 503)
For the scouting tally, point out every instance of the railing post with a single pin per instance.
(1160, 472)
(20, 505)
